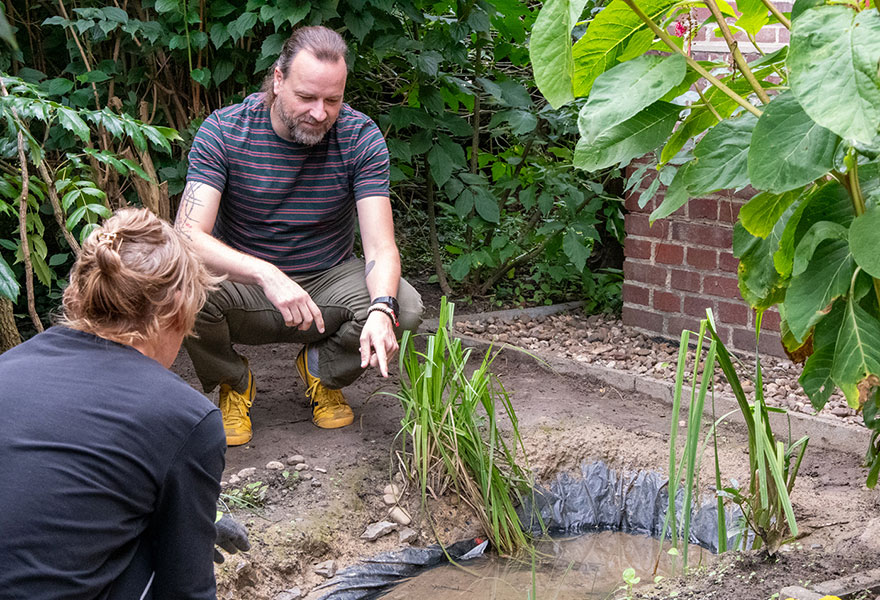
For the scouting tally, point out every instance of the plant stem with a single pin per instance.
(855, 191)
(778, 14)
(432, 225)
(691, 62)
(709, 104)
(56, 207)
(734, 50)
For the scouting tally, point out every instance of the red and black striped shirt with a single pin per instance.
(287, 203)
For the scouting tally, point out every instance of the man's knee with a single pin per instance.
(411, 308)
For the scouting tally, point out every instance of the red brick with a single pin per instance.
(702, 258)
(635, 294)
(696, 306)
(723, 287)
(637, 224)
(685, 281)
(727, 263)
(728, 210)
(703, 235)
(635, 247)
(631, 202)
(675, 325)
(734, 313)
(635, 317)
(703, 208)
(644, 273)
(770, 320)
(667, 302)
(767, 34)
(743, 340)
(784, 36)
(669, 254)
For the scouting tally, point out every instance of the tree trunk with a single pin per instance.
(9, 336)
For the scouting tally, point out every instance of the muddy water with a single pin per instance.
(586, 567)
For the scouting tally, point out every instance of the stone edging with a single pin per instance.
(823, 432)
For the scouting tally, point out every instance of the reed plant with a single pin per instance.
(773, 464)
(450, 432)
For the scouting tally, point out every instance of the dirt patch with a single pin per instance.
(318, 513)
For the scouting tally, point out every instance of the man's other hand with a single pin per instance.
(231, 536)
(378, 342)
(296, 306)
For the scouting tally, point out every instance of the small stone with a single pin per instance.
(316, 483)
(389, 499)
(234, 480)
(296, 459)
(407, 535)
(376, 530)
(400, 516)
(326, 569)
(306, 476)
(274, 465)
(840, 411)
(291, 594)
(300, 467)
(392, 489)
(320, 470)
(247, 472)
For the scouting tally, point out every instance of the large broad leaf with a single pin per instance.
(624, 142)
(720, 162)
(830, 202)
(864, 241)
(857, 354)
(441, 164)
(760, 214)
(833, 64)
(788, 149)
(550, 49)
(574, 248)
(816, 378)
(806, 248)
(811, 293)
(606, 39)
(624, 90)
(9, 286)
(754, 15)
(760, 283)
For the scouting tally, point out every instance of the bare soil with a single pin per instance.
(319, 513)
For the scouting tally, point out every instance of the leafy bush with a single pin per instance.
(798, 126)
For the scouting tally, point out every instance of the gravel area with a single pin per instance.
(605, 341)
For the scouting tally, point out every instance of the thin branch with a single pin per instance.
(738, 58)
(778, 14)
(691, 62)
(709, 104)
(82, 53)
(432, 224)
(56, 207)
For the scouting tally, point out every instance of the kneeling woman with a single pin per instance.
(110, 464)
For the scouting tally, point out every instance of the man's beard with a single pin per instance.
(302, 129)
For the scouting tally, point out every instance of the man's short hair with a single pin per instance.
(325, 44)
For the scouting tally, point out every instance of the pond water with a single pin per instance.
(586, 567)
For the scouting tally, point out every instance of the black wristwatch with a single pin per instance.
(390, 301)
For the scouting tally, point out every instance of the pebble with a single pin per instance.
(274, 465)
(296, 459)
(306, 476)
(407, 535)
(320, 470)
(316, 483)
(326, 569)
(292, 594)
(376, 530)
(300, 466)
(392, 489)
(400, 516)
(389, 499)
(234, 480)
(247, 472)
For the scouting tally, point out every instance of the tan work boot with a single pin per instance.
(329, 408)
(235, 407)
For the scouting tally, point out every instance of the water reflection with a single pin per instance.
(586, 567)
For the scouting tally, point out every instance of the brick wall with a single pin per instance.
(678, 267)
(682, 265)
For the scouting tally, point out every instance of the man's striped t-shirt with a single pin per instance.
(287, 203)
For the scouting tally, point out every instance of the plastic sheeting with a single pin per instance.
(634, 502)
(601, 498)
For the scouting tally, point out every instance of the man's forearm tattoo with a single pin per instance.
(369, 268)
(185, 221)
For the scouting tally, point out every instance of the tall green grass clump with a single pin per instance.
(773, 464)
(451, 435)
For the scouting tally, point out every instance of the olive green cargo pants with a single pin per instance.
(241, 314)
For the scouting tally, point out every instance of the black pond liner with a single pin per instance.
(601, 499)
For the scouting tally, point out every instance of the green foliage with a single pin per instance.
(798, 126)
(250, 496)
(451, 435)
(773, 465)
